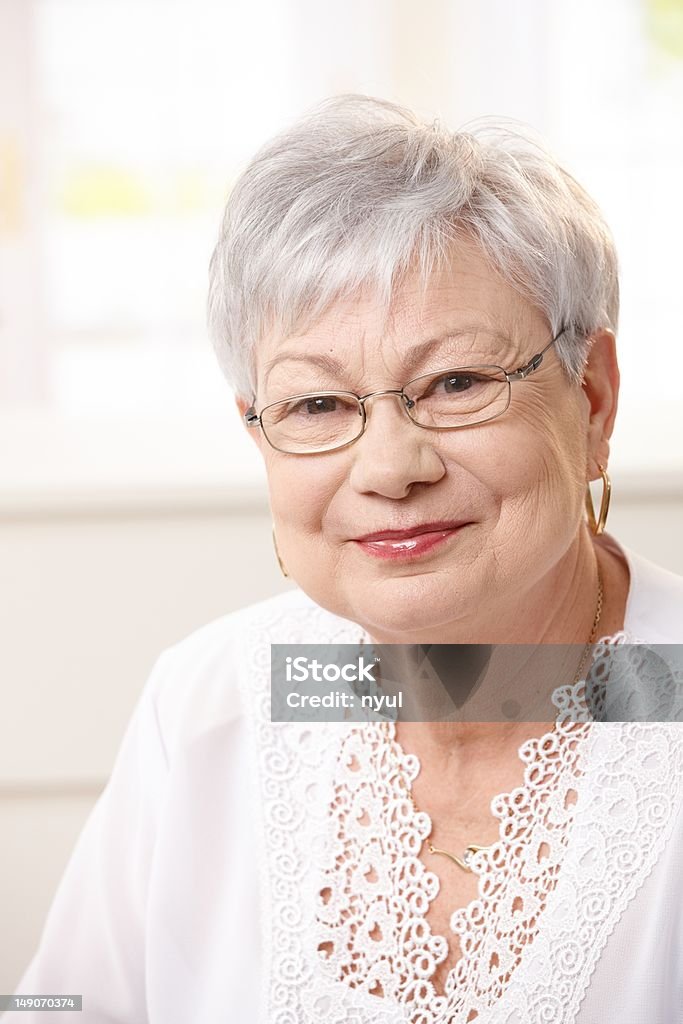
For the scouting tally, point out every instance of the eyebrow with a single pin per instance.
(417, 353)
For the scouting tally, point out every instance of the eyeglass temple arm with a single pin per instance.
(535, 361)
(251, 417)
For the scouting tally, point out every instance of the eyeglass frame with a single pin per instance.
(253, 419)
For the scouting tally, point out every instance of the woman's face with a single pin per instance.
(516, 483)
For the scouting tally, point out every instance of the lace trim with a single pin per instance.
(382, 943)
(347, 894)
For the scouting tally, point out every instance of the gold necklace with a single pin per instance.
(464, 862)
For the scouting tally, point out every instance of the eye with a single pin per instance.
(457, 382)
(314, 406)
(465, 385)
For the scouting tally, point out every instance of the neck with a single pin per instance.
(456, 689)
(469, 742)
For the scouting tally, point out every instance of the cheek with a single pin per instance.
(300, 491)
(539, 470)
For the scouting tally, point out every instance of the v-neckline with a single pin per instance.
(460, 977)
(483, 863)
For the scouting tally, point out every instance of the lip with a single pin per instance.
(408, 544)
(413, 531)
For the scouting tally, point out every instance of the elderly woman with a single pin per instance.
(419, 327)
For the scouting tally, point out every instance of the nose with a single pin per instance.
(393, 453)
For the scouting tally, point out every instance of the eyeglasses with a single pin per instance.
(450, 399)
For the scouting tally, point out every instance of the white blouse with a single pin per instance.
(236, 871)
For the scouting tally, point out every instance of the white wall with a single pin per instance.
(88, 598)
(90, 593)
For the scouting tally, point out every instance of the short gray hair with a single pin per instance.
(360, 192)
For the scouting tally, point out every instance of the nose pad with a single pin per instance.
(406, 402)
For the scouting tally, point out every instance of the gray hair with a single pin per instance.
(360, 192)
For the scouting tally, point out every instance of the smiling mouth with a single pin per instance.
(409, 546)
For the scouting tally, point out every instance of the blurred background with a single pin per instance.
(132, 507)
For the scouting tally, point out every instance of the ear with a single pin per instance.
(243, 404)
(600, 386)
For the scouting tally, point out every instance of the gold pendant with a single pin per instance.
(462, 862)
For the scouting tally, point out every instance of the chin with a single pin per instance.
(404, 609)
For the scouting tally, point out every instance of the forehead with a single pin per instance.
(467, 286)
(465, 299)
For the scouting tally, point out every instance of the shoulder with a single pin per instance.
(195, 685)
(654, 610)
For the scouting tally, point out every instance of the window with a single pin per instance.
(124, 122)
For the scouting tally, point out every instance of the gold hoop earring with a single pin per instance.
(598, 525)
(277, 555)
